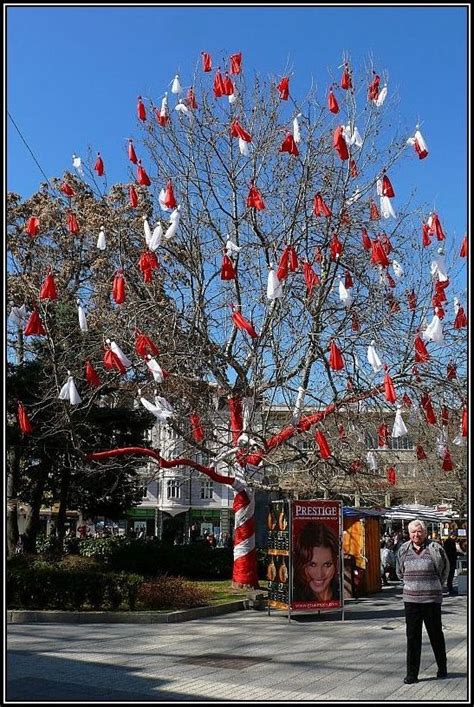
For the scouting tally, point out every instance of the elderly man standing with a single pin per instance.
(424, 567)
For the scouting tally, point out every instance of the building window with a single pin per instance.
(405, 442)
(144, 491)
(207, 489)
(173, 489)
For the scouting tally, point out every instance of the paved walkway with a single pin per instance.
(246, 656)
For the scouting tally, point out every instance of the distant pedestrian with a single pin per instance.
(424, 567)
(452, 555)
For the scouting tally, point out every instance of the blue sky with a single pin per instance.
(74, 74)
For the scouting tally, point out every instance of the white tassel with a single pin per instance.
(158, 412)
(356, 138)
(181, 107)
(233, 97)
(176, 86)
(118, 352)
(247, 408)
(356, 195)
(379, 185)
(372, 461)
(155, 369)
(164, 106)
(163, 403)
(399, 429)
(82, 317)
(434, 330)
(18, 316)
(175, 215)
(69, 391)
(147, 229)
(438, 266)
(456, 305)
(231, 247)
(101, 243)
(296, 130)
(386, 208)
(344, 295)
(161, 199)
(298, 405)
(274, 288)
(397, 269)
(77, 164)
(379, 101)
(243, 147)
(156, 237)
(373, 358)
(171, 230)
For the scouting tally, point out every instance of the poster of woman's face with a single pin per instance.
(316, 555)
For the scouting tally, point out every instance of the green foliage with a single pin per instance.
(171, 592)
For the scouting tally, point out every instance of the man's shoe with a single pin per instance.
(409, 680)
(441, 674)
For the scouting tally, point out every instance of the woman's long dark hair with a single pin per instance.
(313, 534)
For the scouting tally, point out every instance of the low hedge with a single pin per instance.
(43, 585)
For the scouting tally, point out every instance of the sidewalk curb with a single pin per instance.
(17, 616)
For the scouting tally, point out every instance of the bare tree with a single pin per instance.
(283, 252)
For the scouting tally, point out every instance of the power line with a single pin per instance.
(29, 149)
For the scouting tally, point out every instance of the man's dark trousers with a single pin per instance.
(415, 615)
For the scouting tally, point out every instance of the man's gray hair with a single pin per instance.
(416, 524)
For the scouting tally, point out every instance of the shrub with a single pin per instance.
(171, 593)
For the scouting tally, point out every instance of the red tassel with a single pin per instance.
(284, 88)
(228, 86)
(461, 319)
(48, 288)
(348, 282)
(374, 212)
(191, 99)
(462, 252)
(336, 247)
(66, 189)
(32, 226)
(411, 298)
(379, 256)
(318, 256)
(131, 152)
(384, 241)
(142, 177)
(406, 400)
(133, 196)
(236, 130)
(366, 242)
(436, 227)
(392, 476)
(289, 145)
(118, 287)
(92, 377)
(355, 324)
(196, 427)
(447, 462)
(421, 352)
(34, 325)
(346, 81)
(390, 280)
(322, 442)
(169, 200)
(394, 306)
(420, 452)
(236, 418)
(341, 431)
(319, 206)
(353, 168)
(99, 165)
(162, 120)
(387, 189)
(218, 84)
(451, 371)
(428, 409)
(383, 434)
(206, 62)
(292, 259)
(336, 362)
(332, 102)
(374, 87)
(464, 422)
(141, 112)
(426, 235)
(242, 324)
(144, 345)
(147, 263)
(355, 467)
(23, 420)
(227, 269)
(111, 361)
(235, 63)
(283, 266)
(254, 199)
(389, 389)
(72, 224)
(310, 277)
(340, 144)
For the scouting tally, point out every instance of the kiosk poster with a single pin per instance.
(316, 555)
(278, 543)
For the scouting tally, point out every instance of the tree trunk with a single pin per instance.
(63, 501)
(32, 525)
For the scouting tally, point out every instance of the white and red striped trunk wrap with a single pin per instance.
(245, 563)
